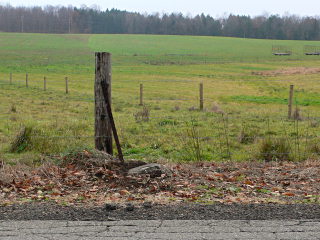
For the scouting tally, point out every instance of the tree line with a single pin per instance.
(59, 19)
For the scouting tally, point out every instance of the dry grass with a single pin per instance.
(275, 150)
(143, 115)
(289, 71)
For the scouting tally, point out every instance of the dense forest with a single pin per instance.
(59, 19)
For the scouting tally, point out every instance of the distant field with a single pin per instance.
(246, 95)
(70, 52)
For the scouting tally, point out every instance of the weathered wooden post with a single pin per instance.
(111, 121)
(201, 96)
(27, 80)
(103, 130)
(290, 102)
(67, 85)
(44, 83)
(10, 78)
(141, 94)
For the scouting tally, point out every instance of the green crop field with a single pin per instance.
(245, 97)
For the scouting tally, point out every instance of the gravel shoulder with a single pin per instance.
(51, 211)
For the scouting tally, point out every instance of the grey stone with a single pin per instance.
(152, 169)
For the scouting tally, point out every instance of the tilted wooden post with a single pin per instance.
(44, 83)
(67, 85)
(103, 130)
(27, 80)
(111, 120)
(290, 102)
(10, 78)
(201, 96)
(141, 94)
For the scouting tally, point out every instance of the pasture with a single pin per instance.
(245, 89)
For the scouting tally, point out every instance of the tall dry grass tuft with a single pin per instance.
(274, 150)
(143, 115)
(13, 108)
(22, 140)
(216, 109)
(297, 115)
(192, 142)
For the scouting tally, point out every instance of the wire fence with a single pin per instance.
(161, 127)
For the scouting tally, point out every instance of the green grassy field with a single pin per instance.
(245, 112)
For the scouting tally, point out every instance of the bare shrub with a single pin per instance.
(297, 115)
(314, 124)
(143, 115)
(13, 108)
(176, 108)
(193, 108)
(314, 148)
(192, 143)
(216, 109)
(246, 137)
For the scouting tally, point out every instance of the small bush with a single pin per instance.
(314, 123)
(176, 108)
(193, 108)
(216, 109)
(274, 150)
(13, 108)
(22, 141)
(246, 137)
(314, 148)
(34, 139)
(297, 115)
(48, 139)
(142, 115)
(192, 142)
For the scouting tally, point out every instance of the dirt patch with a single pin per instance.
(289, 71)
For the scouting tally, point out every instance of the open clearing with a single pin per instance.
(241, 109)
(244, 124)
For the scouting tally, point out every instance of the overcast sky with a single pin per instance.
(215, 8)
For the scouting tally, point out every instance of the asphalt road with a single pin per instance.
(157, 229)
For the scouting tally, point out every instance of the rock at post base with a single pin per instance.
(153, 169)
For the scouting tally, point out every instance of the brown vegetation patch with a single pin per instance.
(289, 71)
(83, 180)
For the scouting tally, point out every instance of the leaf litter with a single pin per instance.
(84, 178)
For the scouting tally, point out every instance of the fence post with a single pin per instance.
(141, 94)
(103, 129)
(67, 85)
(111, 121)
(44, 83)
(10, 78)
(290, 102)
(27, 80)
(201, 96)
